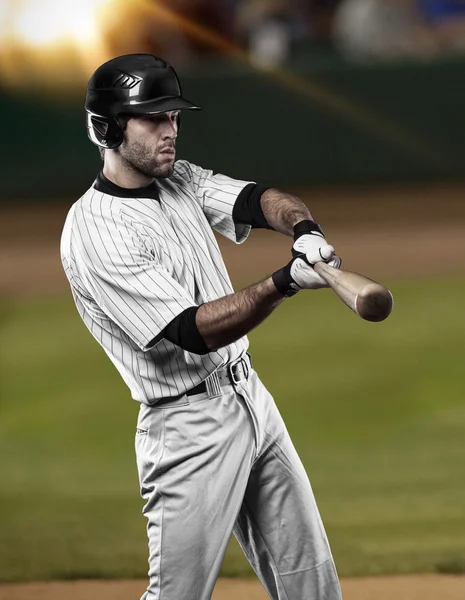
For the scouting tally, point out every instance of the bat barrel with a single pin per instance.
(374, 302)
(368, 299)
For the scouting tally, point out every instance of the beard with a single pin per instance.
(143, 157)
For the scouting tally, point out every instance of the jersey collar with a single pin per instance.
(102, 184)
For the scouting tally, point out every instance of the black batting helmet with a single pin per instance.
(129, 84)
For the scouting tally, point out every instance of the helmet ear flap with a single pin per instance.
(104, 132)
(100, 127)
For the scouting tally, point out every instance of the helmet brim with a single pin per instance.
(161, 105)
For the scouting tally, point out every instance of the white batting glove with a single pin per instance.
(309, 248)
(309, 240)
(300, 275)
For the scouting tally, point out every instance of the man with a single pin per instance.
(148, 279)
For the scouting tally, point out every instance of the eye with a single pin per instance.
(160, 118)
(148, 118)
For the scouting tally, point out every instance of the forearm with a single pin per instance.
(282, 211)
(227, 319)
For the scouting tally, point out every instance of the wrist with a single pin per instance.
(307, 226)
(283, 281)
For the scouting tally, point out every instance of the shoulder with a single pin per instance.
(185, 179)
(95, 216)
(186, 169)
(95, 209)
(95, 202)
(183, 170)
(188, 172)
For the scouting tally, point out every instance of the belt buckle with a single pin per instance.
(245, 366)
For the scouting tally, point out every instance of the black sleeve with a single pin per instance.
(247, 209)
(183, 332)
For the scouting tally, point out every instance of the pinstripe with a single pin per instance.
(119, 254)
(168, 364)
(203, 260)
(201, 235)
(141, 281)
(117, 286)
(102, 290)
(172, 240)
(135, 263)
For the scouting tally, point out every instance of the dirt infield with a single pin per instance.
(408, 587)
(382, 232)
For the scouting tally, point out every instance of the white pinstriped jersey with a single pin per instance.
(134, 264)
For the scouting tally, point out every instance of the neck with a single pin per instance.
(123, 174)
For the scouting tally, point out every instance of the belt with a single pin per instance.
(232, 373)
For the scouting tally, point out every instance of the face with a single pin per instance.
(149, 144)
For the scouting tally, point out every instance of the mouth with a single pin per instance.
(168, 151)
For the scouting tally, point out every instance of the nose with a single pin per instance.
(170, 130)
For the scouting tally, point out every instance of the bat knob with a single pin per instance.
(374, 302)
(326, 252)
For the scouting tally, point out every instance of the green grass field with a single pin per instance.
(376, 412)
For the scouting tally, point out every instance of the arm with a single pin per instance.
(227, 319)
(289, 215)
(282, 211)
(268, 208)
(205, 328)
(233, 206)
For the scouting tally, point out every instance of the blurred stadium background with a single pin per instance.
(357, 106)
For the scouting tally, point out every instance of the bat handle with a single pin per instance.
(324, 270)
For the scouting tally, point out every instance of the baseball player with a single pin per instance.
(213, 454)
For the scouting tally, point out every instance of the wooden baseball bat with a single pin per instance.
(368, 299)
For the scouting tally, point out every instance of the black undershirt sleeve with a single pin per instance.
(247, 209)
(183, 332)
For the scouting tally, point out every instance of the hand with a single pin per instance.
(309, 240)
(300, 275)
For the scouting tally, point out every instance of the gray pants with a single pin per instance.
(210, 466)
